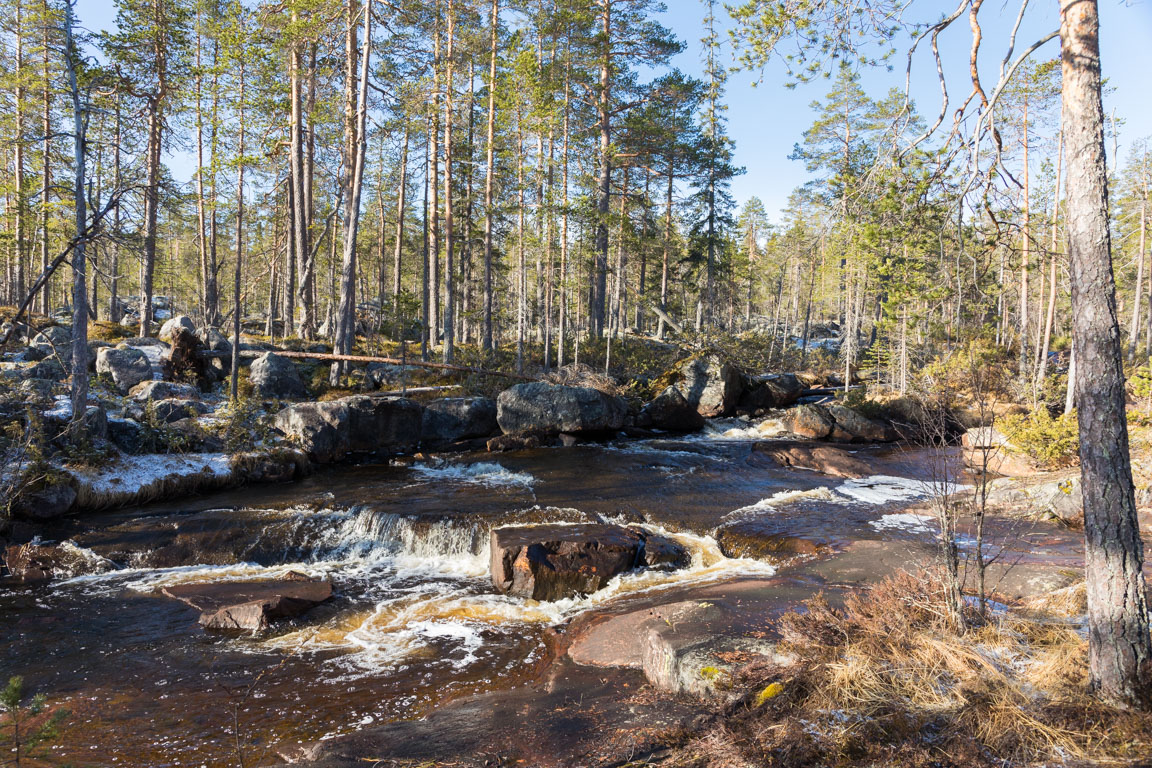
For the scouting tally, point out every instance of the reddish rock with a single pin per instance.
(552, 562)
(251, 605)
(810, 421)
(820, 458)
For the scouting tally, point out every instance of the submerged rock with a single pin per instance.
(251, 605)
(274, 376)
(551, 409)
(458, 418)
(40, 561)
(552, 562)
(820, 458)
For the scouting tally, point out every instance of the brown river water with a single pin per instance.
(415, 621)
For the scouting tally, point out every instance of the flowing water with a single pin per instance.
(415, 621)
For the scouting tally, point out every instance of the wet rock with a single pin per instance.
(670, 411)
(711, 384)
(174, 409)
(277, 467)
(251, 605)
(274, 376)
(458, 418)
(126, 366)
(163, 390)
(820, 458)
(320, 429)
(46, 499)
(769, 392)
(809, 421)
(168, 330)
(520, 442)
(390, 424)
(662, 552)
(853, 427)
(552, 562)
(550, 408)
(41, 561)
(735, 541)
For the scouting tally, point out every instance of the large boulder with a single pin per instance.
(321, 429)
(764, 393)
(551, 409)
(458, 418)
(359, 424)
(216, 342)
(711, 384)
(382, 423)
(168, 330)
(125, 366)
(251, 605)
(274, 376)
(854, 427)
(175, 409)
(671, 411)
(47, 499)
(811, 421)
(553, 562)
(163, 390)
(55, 340)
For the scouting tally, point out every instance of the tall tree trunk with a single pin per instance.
(449, 232)
(562, 327)
(1120, 649)
(1026, 244)
(1134, 332)
(237, 275)
(356, 144)
(301, 244)
(1050, 318)
(604, 183)
(20, 234)
(434, 201)
(401, 194)
(79, 266)
(489, 175)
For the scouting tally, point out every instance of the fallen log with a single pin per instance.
(827, 391)
(331, 357)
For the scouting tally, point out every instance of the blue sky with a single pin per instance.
(767, 120)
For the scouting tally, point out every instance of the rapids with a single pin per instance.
(415, 621)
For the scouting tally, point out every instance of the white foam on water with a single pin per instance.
(883, 489)
(781, 498)
(906, 522)
(740, 430)
(484, 473)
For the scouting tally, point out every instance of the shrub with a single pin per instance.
(1050, 441)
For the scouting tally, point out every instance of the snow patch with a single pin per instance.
(141, 475)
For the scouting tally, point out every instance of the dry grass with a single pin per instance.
(884, 681)
(583, 376)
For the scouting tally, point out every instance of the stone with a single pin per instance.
(183, 361)
(276, 377)
(126, 434)
(811, 421)
(163, 390)
(41, 561)
(216, 342)
(125, 366)
(49, 370)
(551, 408)
(989, 448)
(553, 562)
(251, 605)
(57, 420)
(55, 340)
(450, 419)
(389, 424)
(672, 412)
(168, 330)
(38, 388)
(45, 500)
(820, 458)
(711, 384)
(174, 409)
(320, 429)
(854, 427)
(521, 442)
(764, 393)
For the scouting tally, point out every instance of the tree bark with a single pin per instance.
(489, 175)
(1120, 649)
(79, 266)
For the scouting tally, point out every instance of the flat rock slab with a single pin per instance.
(825, 459)
(552, 562)
(251, 605)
